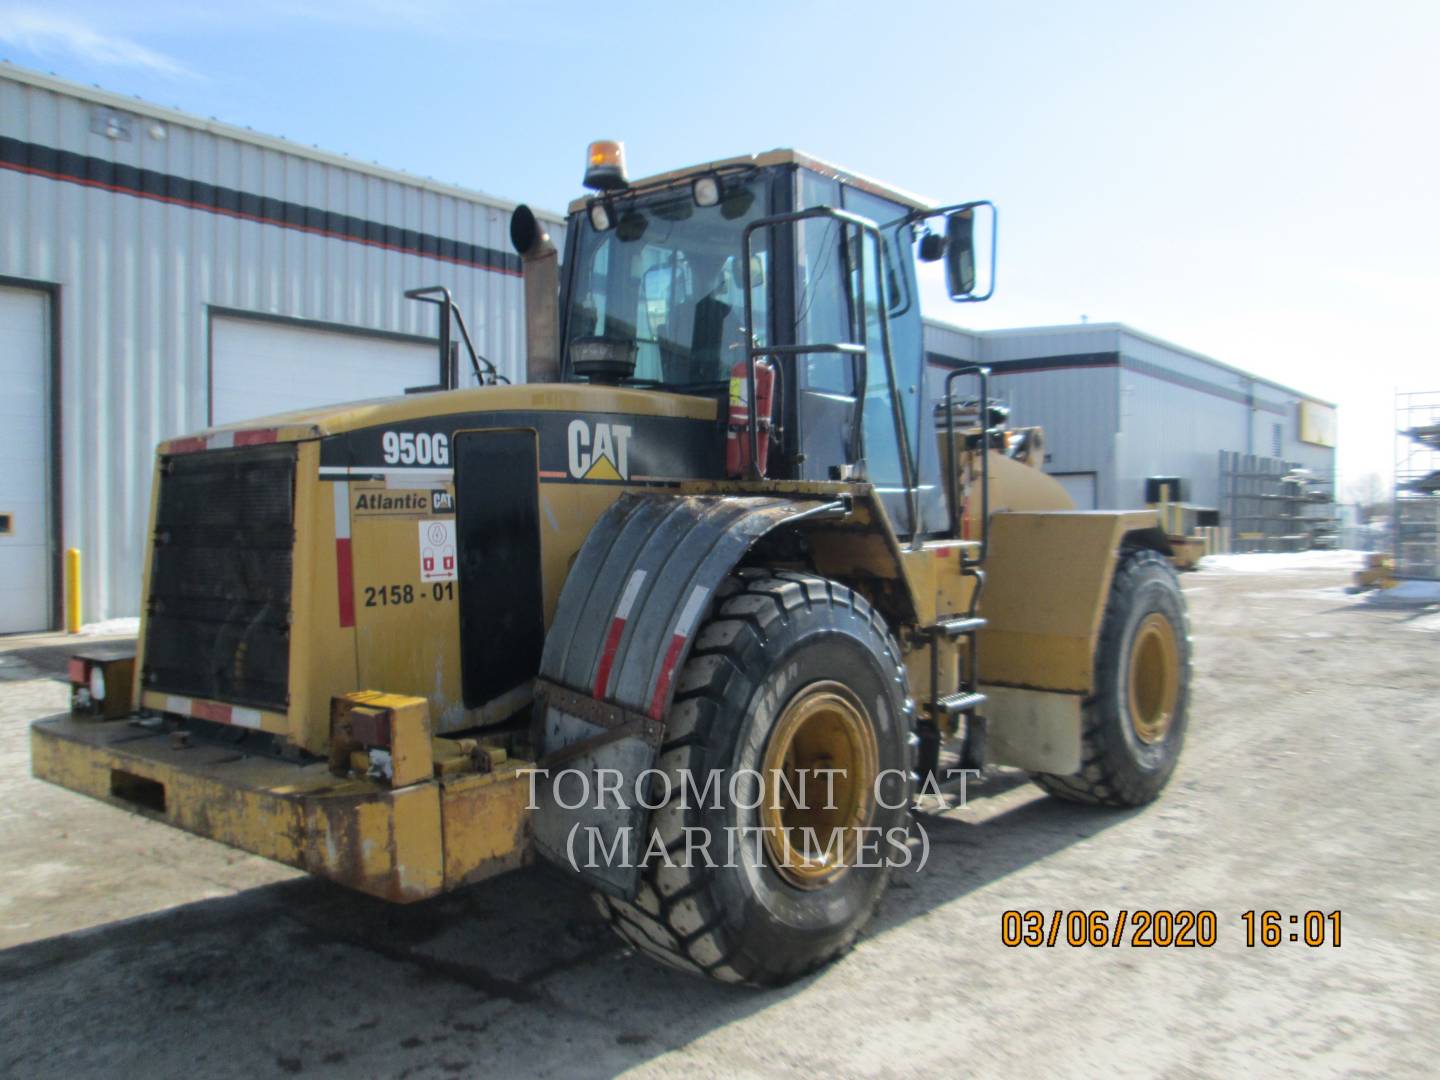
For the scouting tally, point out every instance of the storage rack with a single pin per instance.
(1274, 505)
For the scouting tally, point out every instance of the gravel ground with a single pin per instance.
(127, 948)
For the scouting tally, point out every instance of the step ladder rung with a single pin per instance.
(963, 702)
(956, 627)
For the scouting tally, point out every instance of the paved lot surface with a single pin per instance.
(1309, 782)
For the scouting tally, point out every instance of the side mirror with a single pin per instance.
(960, 253)
(969, 266)
(655, 285)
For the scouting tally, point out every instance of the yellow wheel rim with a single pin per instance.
(1154, 678)
(819, 772)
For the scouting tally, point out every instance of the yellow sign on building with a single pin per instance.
(1317, 423)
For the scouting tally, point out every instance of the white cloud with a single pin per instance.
(43, 33)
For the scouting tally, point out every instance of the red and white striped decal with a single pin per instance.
(223, 440)
(694, 604)
(617, 627)
(214, 712)
(344, 564)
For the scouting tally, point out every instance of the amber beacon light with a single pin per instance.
(605, 166)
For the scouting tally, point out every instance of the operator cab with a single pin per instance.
(657, 274)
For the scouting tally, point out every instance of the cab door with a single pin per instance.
(894, 266)
(829, 282)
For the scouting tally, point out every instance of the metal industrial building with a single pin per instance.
(1118, 406)
(159, 273)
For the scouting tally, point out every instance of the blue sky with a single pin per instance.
(1257, 181)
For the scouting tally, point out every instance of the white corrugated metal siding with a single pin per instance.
(1077, 407)
(1125, 406)
(1172, 430)
(1075, 400)
(951, 342)
(139, 272)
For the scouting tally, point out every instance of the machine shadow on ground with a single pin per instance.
(1390, 612)
(308, 976)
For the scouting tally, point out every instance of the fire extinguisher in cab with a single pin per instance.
(737, 437)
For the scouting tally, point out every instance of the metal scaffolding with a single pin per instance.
(1417, 484)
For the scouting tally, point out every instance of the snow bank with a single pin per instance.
(111, 627)
(1298, 560)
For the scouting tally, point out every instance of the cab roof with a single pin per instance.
(776, 157)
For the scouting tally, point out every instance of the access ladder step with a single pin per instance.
(956, 627)
(963, 702)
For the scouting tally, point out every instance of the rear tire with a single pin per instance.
(1133, 728)
(786, 663)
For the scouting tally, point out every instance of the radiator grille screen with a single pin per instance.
(218, 623)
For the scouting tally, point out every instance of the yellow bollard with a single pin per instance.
(72, 590)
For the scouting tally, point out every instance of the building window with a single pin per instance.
(1277, 435)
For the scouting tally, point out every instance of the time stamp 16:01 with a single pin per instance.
(1164, 929)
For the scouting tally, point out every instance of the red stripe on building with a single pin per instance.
(240, 215)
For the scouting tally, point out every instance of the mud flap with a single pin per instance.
(590, 817)
(640, 587)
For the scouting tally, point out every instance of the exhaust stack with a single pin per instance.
(541, 265)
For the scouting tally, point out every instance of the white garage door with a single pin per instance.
(24, 473)
(1081, 487)
(259, 368)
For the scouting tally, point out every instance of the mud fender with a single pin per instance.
(641, 584)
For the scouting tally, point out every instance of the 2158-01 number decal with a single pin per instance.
(397, 595)
(415, 448)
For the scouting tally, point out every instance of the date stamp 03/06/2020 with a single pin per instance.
(1164, 929)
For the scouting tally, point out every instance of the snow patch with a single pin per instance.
(112, 627)
(1267, 562)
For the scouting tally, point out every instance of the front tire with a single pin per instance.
(791, 674)
(1134, 725)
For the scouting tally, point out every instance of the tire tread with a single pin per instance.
(754, 599)
(1099, 782)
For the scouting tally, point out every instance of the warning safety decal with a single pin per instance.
(437, 550)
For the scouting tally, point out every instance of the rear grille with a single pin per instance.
(218, 623)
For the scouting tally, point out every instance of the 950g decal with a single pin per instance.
(415, 448)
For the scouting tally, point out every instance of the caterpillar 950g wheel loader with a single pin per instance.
(690, 613)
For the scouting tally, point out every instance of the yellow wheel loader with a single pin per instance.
(690, 614)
